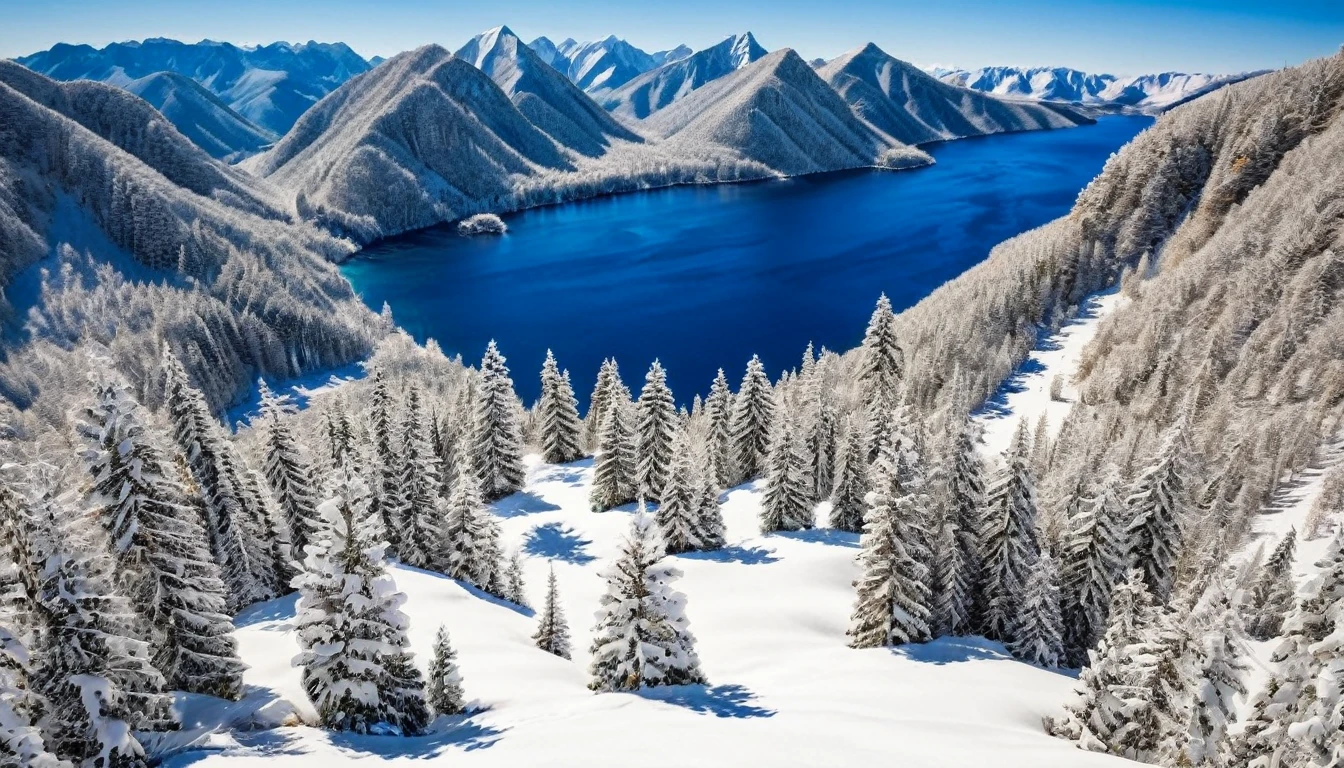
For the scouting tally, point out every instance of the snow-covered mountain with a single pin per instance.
(1150, 93)
(201, 115)
(547, 51)
(546, 97)
(269, 85)
(660, 87)
(909, 105)
(667, 57)
(778, 112)
(607, 64)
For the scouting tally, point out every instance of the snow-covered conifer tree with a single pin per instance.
(1271, 597)
(340, 434)
(1094, 561)
(614, 479)
(1158, 508)
(466, 533)
(552, 634)
(497, 444)
(893, 595)
(159, 545)
(882, 363)
(607, 390)
(1038, 637)
(288, 473)
(352, 633)
(719, 440)
(851, 481)
(655, 432)
(443, 690)
(753, 420)
(21, 742)
(709, 530)
(419, 489)
(385, 501)
(515, 591)
(1218, 680)
(786, 503)
(963, 503)
(561, 429)
(679, 507)
(1008, 545)
(642, 637)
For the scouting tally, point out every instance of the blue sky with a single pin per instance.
(1120, 36)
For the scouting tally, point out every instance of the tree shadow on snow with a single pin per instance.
(523, 503)
(279, 611)
(829, 536)
(720, 700)
(952, 650)
(447, 733)
(558, 542)
(735, 554)
(570, 474)
(996, 407)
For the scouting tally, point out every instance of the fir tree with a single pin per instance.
(467, 534)
(719, 415)
(340, 434)
(514, 589)
(1158, 510)
(1271, 596)
(655, 432)
(443, 690)
(561, 429)
(614, 479)
(385, 501)
(607, 390)
(21, 742)
(709, 530)
(1094, 561)
(882, 362)
(642, 639)
(352, 633)
(552, 634)
(1038, 637)
(851, 482)
(1008, 540)
(419, 487)
(893, 594)
(753, 420)
(497, 444)
(964, 503)
(678, 510)
(786, 503)
(1218, 680)
(288, 473)
(158, 542)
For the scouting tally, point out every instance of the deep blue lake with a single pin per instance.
(703, 277)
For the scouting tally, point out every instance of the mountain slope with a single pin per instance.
(667, 57)
(549, 53)
(607, 64)
(201, 116)
(778, 112)
(1149, 93)
(669, 83)
(270, 85)
(556, 106)
(909, 105)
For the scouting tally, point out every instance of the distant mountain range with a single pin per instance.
(1149, 93)
(660, 87)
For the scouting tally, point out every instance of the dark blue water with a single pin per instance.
(703, 277)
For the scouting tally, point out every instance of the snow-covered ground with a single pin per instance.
(769, 614)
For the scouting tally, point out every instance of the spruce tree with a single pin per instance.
(561, 429)
(515, 591)
(1038, 637)
(614, 479)
(159, 544)
(1218, 681)
(385, 500)
(288, 473)
(709, 530)
(851, 482)
(753, 420)
(235, 524)
(352, 632)
(1158, 509)
(497, 442)
(419, 487)
(719, 441)
(552, 634)
(443, 690)
(1094, 561)
(1008, 545)
(679, 507)
(642, 639)
(882, 362)
(655, 432)
(21, 742)
(786, 500)
(607, 390)
(467, 534)
(893, 595)
(340, 434)
(963, 504)
(1271, 597)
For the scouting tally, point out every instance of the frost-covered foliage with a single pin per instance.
(496, 440)
(558, 411)
(482, 224)
(288, 473)
(654, 433)
(552, 635)
(615, 481)
(443, 690)
(1008, 541)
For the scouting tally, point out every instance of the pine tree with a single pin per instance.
(1094, 561)
(656, 430)
(851, 482)
(963, 504)
(607, 390)
(443, 690)
(882, 362)
(288, 473)
(419, 487)
(785, 503)
(234, 522)
(561, 429)
(1218, 680)
(385, 501)
(340, 434)
(552, 634)
(21, 742)
(467, 534)
(1008, 540)
(352, 633)
(642, 638)
(497, 443)
(678, 510)
(614, 479)
(719, 414)
(1271, 596)
(893, 595)
(1158, 508)
(709, 530)
(159, 544)
(514, 589)
(1038, 637)
(753, 420)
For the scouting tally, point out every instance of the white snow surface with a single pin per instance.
(769, 614)
(1148, 93)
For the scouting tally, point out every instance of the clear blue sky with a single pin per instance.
(1118, 36)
